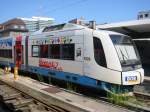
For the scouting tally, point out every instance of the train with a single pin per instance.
(74, 53)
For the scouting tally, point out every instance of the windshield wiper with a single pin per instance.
(123, 56)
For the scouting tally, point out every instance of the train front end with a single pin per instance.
(132, 71)
(117, 66)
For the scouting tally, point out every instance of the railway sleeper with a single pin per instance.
(16, 104)
(7, 90)
(12, 96)
(39, 108)
(23, 109)
(2, 93)
(57, 109)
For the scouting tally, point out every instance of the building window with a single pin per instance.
(15, 26)
(55, 51)
(43, 51)
(99, 54)
(141, 16)
(67, 52)
(35, 51)
(146, 15)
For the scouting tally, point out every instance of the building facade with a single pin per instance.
(13, 28)
(144, 15)
(35, 23)
(23, 26)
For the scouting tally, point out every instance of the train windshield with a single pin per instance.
(127, 52)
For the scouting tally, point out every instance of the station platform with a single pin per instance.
(52, 95)
(147, 78)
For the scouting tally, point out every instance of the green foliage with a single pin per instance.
(40, 78)
(71, 86)
(115, 96)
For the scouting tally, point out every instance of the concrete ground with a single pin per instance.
(50, 94)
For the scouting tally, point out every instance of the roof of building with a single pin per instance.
(134, 27)
(13, 25)
(15, 21)
(34, 18)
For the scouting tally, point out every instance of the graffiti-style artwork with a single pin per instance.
(50, 64)
(6, 43)
(53, 40)
(60, 40)
(18, 51)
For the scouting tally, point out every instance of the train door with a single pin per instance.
(18, 51)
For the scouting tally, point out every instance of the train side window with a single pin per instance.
(55, 51)
(10, 53)
(99, 54)
(0, 53)
(35, 51)
(67, 52)
(43, 51)
(6, 53)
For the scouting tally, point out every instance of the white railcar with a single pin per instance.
(75, 53)
(82, 55)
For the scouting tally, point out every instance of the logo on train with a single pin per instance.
(50, 64)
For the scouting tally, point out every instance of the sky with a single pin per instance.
(102, 11)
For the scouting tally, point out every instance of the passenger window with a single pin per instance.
(99, 54)
(6, 53)
(35, 51)
(68, 51)
(55, 51)
(43, 51)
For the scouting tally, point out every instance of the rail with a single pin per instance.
(16, 100)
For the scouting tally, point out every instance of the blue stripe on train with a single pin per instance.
(76, 78)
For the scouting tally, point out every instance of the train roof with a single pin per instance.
(64, 26)
(109, 32)
(68, 26)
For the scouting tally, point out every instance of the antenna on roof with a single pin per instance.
(79, 21)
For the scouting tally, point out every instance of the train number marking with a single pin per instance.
(131, 78)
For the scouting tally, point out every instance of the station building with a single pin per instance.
(35, 23)
(144, 15)
(12, 28)
(23, 26)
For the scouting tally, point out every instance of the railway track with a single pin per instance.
(141, 95)
(17, 101)
(135, 107)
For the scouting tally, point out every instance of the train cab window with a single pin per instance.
(35, 51)
(67, 51)
(43, 51)
(99, 54)
(55, 51)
